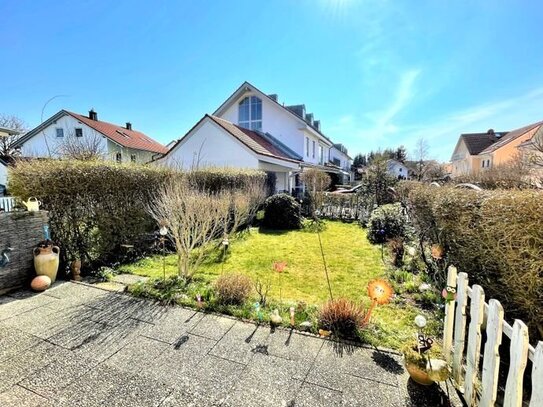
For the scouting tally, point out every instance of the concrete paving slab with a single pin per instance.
(311, 395)
(13, 341)
(63, 368)
(213, 326)
(107, 386)
(128, 279)
(290, 344)
(267, 381)
(12, 307)
(240, 342)
(172, 324)
(111, 286)
(137, 356)
(18, 396)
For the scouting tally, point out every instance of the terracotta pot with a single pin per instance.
(46, 261)
(418, 374)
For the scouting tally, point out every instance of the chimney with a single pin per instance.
(273, 96)
(93, 115)
(128, 126)
(317, 124)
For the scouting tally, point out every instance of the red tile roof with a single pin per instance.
(252, 139)
(121, 135)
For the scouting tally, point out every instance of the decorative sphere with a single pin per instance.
(40, 283)
(420, 321)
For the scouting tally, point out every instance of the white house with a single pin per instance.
(114, 142)
(398, 169)
(253, 130)
(3, 175)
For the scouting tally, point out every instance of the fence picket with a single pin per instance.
(537, 377)
(491, 358)
(448, 325)
(460, 326)
(477, 311)
(517, 365)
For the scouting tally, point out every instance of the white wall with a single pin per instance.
(37, 147)
(210, 145)
(397, 169)
(283, 126)
(346, 162)
(3, 174)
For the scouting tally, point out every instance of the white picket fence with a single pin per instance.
(7, 203)
(481, 389)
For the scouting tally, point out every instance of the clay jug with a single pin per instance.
(46, 259)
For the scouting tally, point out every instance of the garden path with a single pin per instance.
(77, 345)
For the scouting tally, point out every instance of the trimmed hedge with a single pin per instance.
(494, 236)
(98, 210)
(282, 211)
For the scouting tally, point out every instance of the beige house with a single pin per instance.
(476, 152)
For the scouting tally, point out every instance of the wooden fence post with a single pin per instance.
(537, 377)
(519, 358)
(491, 358)
(449, 316)
(460, 327)
(477, 312)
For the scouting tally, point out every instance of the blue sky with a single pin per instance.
(376, 73)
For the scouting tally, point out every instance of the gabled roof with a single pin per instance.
(258, 142)
(477, 142)
(247, 86)
(513, 135)
(118, 134)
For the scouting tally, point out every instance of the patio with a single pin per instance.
(77, 345)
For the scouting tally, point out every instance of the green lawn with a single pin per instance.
(352, 262)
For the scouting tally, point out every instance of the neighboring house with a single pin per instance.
(398, 169)
(478, 152)
(341, 159)
(3, 176)
(114, 142)
(252, 130)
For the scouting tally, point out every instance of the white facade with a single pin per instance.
(397, 169)
(3, 174)
(284, 126)
(208, 145)
(47, 142)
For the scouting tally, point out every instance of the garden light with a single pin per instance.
(420, 321)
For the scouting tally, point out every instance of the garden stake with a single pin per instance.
(324, 262)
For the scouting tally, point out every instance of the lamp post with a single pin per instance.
(163, 231)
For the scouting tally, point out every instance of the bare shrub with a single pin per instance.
(316, 181)
(196, 215)
(88, 148)
(262, 288)
(343, 317)
(233, 288)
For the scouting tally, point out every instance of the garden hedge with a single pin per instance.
(98, 210)
(494, 236)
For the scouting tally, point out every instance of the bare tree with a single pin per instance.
(8, 142)
(421, 157)
(196, 217)
(316, 181)
(87, 148)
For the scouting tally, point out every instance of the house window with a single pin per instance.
(118, 157)
(133, 158)
(79, 132)
(250, 113)
(313, 148)
(60, 132)
(321, 155)
(307, 146)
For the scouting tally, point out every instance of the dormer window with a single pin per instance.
(250, 113)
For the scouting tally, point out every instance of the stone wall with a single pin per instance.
(21, 231)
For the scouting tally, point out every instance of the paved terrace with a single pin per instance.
(76, 345)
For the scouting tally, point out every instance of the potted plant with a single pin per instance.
(417, 358)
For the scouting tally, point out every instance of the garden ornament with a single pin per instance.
(199, 302)
(420, 321)
(292, 316)
(40, 283)
(380, 292)
(449, 293)
(76, 270)
(437, 251)
(258, 311)
(4, 259)
(32, 205)
(275, 318)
